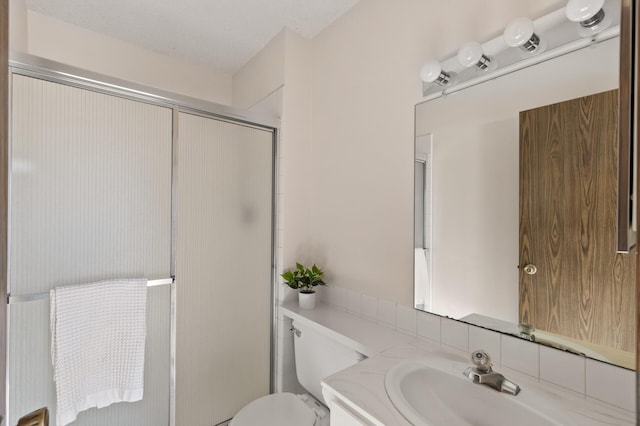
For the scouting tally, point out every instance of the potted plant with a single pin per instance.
(304, 280)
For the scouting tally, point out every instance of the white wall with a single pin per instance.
(283, 68)
(278, 79)
(365, 86)
(297, 154)
(59, 41)
(18, 25)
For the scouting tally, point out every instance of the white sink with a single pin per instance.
(429, 394)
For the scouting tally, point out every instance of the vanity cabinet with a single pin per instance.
(342, 412)
(342, 416)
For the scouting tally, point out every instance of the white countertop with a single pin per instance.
(362, 386)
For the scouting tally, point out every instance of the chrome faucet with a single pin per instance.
(482, 374)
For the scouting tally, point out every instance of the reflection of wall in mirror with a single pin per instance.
(422, 220)
(475, 176)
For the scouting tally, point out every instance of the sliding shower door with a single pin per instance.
(90, 200)
(224, 267)
(106, 186)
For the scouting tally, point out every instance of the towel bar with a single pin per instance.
(40, 296)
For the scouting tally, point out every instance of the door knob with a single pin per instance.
(530, 269)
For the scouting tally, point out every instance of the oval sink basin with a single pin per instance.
(428, 395)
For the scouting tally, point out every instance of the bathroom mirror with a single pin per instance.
(473, 258)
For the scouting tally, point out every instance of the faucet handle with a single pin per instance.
(481, 360)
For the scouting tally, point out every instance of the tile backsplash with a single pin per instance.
(521, 355)
(610, 384)
(490, 341)
(562, 368)
(590, 378)
(455, 335)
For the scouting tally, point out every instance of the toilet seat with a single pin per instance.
(278, 409)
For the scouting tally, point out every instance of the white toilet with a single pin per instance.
(317, 357)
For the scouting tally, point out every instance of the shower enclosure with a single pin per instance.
(108, 182)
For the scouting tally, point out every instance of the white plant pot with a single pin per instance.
(307, 300)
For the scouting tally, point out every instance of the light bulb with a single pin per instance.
(582, 10)
(589, 14)
(431, 72)
(520, 33)
(471, 54)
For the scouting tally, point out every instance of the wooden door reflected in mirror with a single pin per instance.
(582, 288)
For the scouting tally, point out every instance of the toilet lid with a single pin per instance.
(278, 409)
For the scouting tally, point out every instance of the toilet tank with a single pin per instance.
(318, 356)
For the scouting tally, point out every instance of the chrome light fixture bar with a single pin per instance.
(523, 43)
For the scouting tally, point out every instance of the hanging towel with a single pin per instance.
(97, 345)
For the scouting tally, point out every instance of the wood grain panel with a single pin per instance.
(583, 289)
(626, 119)
(4, 106)
(631, 14)
(629, 36)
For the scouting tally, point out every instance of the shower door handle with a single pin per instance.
(36, 418)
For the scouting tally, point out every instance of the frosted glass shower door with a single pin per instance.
(90, 200)
(224, 258)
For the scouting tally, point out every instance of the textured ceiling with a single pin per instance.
(224, 34)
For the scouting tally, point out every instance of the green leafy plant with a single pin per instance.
(303, 278)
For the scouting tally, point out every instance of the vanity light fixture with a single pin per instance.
(471, 54)
(431, 72)
(589, 14)
(520, 33)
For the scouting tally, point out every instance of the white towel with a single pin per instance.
(98, 335)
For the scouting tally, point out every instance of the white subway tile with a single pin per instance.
(370, 307)
(521, 355)
(324, 294)
(429, 326)
(387, 312)
(611, 384)
(406, 319)
(340, 298)
(328, 297)
(455, 334)
(487, 340)
(562, 368)
(354, 302)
